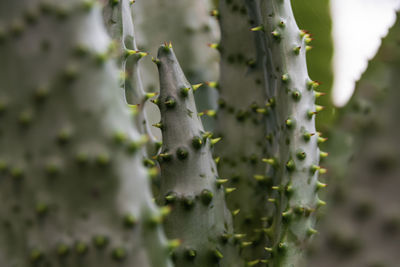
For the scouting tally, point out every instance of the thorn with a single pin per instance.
(245, 244)
(212, 84)
(197, 142)
(312, 85)
(221, 181)
(276, 35)
(318, 94)
(257, 28)
(320, 185)
(308, 39)
(311, 232)
(289, 123)
(239, 236)
(173, 244)
(296, 95)
(307, 136)
(316, 168)
(268, 249)
(207, 135)
(229, 190)
(323, 171)
(217, 254)
(184, 91)
(150, 95)
(155, 101)
(214, 13)
(271, 161)
(167, 46)
(164, 156)
(156, 61)
(260, 177)
(134, 109)
(196, 86)
(296, 50)
(214, 45)
(319, 108)
(323, 154)
(285, 78)
(262, 110)
(129, 52)
(308, 48)
(170, 197)
(303, 33)
(290, 165)
(321, 140)
(170, 102)
(217, 159)
(301, 155)
(252, 263)
(321, 203)
(165, 211)
(235, 212)
(215, 140)
(158, 125)
(310, 114)
(287, 214)
(209, 113)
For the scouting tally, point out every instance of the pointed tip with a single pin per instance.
(257, 28)
(196, 86)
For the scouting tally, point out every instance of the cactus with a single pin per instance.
(285, 134)
(241, 120)
(362, 223)
(314, 16)
(293, 156)
(189, 178)
(191, 30)
(73, 187)
(118, 19)
(73, 191)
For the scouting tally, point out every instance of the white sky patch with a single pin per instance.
(358, 27)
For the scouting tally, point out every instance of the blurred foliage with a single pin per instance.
(314, 16)
(362, 226)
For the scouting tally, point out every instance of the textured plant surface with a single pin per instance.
(293, 155)
(73, 190)
(118, 19)
(241, 120)
(75, 140)
(265, 87)
(189, 178)
(189, 27)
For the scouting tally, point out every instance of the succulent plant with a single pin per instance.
(73, 188)
(241, 121)
(75, 137)
(189, 177)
